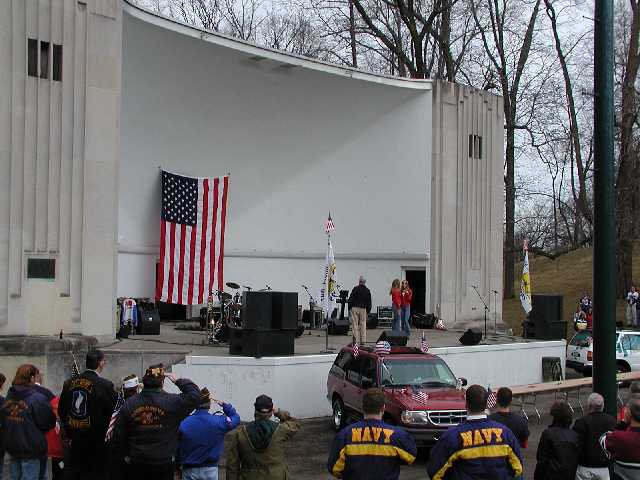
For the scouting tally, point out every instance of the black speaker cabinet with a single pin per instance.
(257, 310)
(261, 343)
(546, 315)
(471, 337)
(149, 322)
(394, 337)
(284, 310)
(372, 321)
(338, 327)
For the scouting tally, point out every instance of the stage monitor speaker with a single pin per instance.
(372, 321)
(257, 308)
(424, 320)
(261, 343)
(149, 322)
(338, 327)
(471, 337)
(394, 337)
(546, 315)
(313, 321)
(284, 310)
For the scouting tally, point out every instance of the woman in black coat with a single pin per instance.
(557, 453)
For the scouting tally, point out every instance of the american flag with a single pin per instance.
(192, 227)
(75, 371)
(114, 416)
(356, 348)
(420, 397)
(424, 345)
(329, 227)
(382, 348)
(491, 400)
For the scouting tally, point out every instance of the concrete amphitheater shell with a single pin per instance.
(410, 170)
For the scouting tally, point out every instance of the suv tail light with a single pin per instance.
(589, 356)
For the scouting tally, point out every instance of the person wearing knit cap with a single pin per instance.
(256, 451)
(146, 431)
(201, 440)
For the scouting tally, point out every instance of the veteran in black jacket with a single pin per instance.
(592, 460)
(147, 427)
(85, 409)
(25, 416)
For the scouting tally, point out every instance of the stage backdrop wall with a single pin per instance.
(298, 144)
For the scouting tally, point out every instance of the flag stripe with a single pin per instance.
(160, 269)
(172, 250)
(183, 234)
(192, 254)
(223, 216)
(212, 245)
(203, 238)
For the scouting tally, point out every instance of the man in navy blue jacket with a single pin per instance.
(201, 440)
(478, 448)
(371, 448)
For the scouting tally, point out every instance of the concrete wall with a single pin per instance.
(299, 383)
(58, 166)
(467, 203)
(298, 144)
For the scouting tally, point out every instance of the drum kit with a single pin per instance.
(228, 313)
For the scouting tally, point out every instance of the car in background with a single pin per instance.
(422, 393)
(580, 351)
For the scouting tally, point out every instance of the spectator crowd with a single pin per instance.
(140, 431)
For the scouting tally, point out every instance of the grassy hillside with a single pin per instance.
(569, 275)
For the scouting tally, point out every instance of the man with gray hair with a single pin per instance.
(592, 461)
(359, 308)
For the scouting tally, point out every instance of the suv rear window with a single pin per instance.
(580, 340)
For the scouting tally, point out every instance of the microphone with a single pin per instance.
(473, 286)
(305, 287)
(268, 287)
(494, 291)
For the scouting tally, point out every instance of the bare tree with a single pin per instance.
(495, 33)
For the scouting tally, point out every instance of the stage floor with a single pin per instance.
(311, 342)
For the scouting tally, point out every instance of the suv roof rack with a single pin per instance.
(395, 349)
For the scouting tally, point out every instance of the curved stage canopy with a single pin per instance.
(410, 170)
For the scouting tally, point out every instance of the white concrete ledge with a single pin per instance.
(299, 383)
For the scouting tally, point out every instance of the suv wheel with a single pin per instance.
(338, 414)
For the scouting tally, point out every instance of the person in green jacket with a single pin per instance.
(256, 450)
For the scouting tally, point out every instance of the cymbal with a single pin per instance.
(225, 295)
(233, 285)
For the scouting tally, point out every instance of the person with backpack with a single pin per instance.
(25, 416)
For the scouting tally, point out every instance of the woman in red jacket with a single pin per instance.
(396, 301)
(407, 296)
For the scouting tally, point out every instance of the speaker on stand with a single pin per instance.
(472, 336)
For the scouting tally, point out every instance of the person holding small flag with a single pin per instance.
(130, 387)
(85, 409)
(146, 430)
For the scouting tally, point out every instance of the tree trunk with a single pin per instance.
(352, 35)
(626, 184)
(510, 210)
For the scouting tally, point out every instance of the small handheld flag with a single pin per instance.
(114, 416)
(424, 345)
(382, 348)
(491, 400)
(329, 227)
(356, 348)
(75, 371)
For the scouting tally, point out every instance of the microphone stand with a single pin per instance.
(486, 309)
(495, 311)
